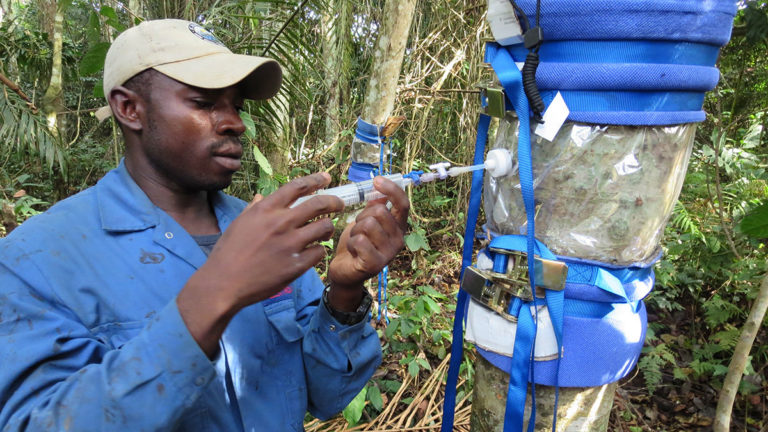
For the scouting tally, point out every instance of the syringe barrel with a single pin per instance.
(354, 193)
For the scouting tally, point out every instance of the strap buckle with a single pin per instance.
(497, 291)
(492, 93)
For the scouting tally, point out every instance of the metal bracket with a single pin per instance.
(497, 291)
(493, 95)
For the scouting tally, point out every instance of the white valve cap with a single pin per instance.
(498, 162)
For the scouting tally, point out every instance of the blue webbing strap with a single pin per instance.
(383, 275)
(522, 367)
(385, 271)
(512, 81)
(462, 301)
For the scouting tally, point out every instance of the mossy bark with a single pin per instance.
(579, 409)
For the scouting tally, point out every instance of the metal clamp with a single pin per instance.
(493, 94)
(497, 291)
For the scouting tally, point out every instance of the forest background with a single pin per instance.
(51, 146)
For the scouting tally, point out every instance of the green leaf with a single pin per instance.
(354, 410)
(423, 363)
(432, 305)
(392, 328)
(755, 223)
(262, 161)
(266, 185)
(250, 126)
(93, 30)
(93, 60)
(417, 240)
(112, 19)
(391, 386)
(413, 369)
(98, 89)
(374, 395)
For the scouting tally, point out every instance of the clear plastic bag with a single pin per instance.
(603, 193)
(363, 152)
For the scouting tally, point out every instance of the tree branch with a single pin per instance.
(719, 191)
(13, 86)
(739, 360)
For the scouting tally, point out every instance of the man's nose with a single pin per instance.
(229, 121)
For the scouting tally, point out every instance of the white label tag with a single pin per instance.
(553, 118)
(505, 26)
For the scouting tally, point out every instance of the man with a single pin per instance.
(152, 301)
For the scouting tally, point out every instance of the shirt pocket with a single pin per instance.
(282, 317)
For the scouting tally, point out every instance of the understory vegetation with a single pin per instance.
(52, 146)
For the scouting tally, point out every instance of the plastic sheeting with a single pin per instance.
(363, 152)
(603, 193)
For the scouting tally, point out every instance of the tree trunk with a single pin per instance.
(5, 10)
(52, 100)
(580, 409)
(387, 61)
(739, 360)
(136, 8)
(276, 145)
(336, 23)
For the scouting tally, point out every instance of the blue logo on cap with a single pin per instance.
(204, 34)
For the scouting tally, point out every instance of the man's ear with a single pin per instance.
(128, 107)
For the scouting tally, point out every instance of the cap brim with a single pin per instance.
(261, 76)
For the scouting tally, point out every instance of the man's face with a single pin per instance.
(191, 141)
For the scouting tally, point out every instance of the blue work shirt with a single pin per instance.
(91, 338)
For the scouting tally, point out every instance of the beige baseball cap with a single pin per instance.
(186, 52)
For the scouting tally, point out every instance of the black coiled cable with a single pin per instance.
(532, 39)
(529, 84)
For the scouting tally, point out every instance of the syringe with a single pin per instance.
(354, 193)
(498, 163)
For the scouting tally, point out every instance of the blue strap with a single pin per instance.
(520, 373)
(512, 81)
(475, 195)
(382, 294)
(368, 132)
(555, 304)
(360, 171)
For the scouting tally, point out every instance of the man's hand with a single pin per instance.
(269, 245)
(368, 244)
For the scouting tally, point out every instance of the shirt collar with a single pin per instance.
(124, 207)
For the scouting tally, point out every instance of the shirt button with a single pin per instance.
(169, 235)
(199, 381)
(332, 327)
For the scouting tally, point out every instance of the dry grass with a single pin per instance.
(424, 413)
